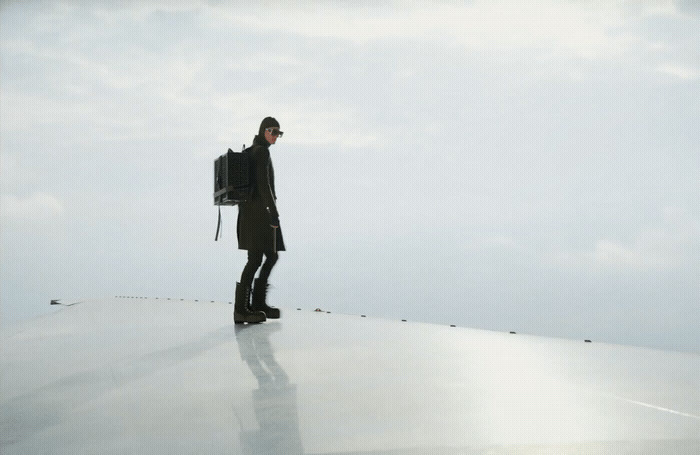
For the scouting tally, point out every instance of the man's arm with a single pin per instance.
(262, 178)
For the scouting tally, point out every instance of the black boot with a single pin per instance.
(241, 313)
(259, 300)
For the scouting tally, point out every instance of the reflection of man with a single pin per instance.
(275, 400)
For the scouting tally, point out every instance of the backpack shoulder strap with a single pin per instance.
(218, 226)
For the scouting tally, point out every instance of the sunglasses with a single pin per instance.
(274, 132)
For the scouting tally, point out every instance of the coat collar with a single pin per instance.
(260, 140)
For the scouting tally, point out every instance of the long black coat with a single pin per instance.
(255, 215)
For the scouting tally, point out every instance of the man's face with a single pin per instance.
(271, 134)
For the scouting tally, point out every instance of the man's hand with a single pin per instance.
(274, 218)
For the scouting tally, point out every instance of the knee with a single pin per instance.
(271, 258)
(254, 260)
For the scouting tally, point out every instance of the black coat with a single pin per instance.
(255, 215)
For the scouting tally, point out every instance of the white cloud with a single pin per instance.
(31, 111)
(566, 28)
(17, 46)
(497, 241)
(14, 173)
(639, 255)
(675, 244)
(681, 71)
(310, 123)
(38, 206)
(324, 123)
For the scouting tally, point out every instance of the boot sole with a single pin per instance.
(272, 313)
(242, 319)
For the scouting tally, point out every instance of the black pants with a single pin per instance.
(255, 259)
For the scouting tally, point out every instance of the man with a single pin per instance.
(259, 230)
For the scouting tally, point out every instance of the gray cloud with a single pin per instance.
(691, 7)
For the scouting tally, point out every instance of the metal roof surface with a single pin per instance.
(165, 376)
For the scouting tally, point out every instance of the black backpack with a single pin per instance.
(233, 180)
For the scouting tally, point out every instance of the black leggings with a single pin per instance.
(254, 260)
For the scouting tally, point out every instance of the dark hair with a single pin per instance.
(268, 122)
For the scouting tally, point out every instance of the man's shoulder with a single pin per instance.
(259, 151)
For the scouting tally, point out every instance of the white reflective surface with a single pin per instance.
(163, 377)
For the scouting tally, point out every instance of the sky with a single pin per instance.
(526, 166)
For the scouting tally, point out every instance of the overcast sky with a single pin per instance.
(526, 166)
